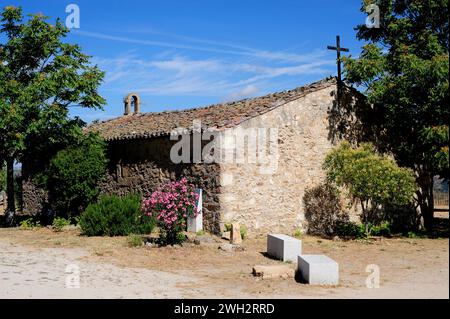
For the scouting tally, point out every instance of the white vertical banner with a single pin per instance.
(195, 224)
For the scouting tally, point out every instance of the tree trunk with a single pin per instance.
(365, 216)
(428, 213)
(11, 204)
(426, 200)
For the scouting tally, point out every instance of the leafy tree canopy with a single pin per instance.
(403, 70)
(73, 175)
(41, 77)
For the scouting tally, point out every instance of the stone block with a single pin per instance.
(231, 248)
(273, 271)
(235, 236)
(318, 270)
(226, 235)
(284, 247)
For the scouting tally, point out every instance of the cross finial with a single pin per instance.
(338, 50)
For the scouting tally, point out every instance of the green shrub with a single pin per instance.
(116, 216)
(374, 180)
(416, 234)
(59, 223)
(411, 234)
(135, 240)
(242, 228)
(384, 229)
(29, 223)
(76, 220)
(298, 233)
(323, 210)
(354, 230)
(73, 175)
(351, 229)
(244, 231)
(402, 218)
(181, 238)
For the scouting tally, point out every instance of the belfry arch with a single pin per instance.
(130, 100)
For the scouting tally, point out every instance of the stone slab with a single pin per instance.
(273, 271)
(226, 235)
(235, 236)
(318, 270)
(284, 247)
(230, 247)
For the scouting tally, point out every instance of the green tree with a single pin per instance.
(375, 180)
(73, 175)
(2, 177)
(403, 71)
(41, 77)
(116, 216)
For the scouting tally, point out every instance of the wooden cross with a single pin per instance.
(338, 50)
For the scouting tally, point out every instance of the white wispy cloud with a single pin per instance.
(150, 42)
(179, 75)
(246, 92)
(237, 48)
(229, 72)
(209, 46)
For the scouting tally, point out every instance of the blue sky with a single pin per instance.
(182, 54)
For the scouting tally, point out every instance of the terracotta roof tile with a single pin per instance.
(218, 116)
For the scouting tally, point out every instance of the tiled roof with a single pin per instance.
(217, 116)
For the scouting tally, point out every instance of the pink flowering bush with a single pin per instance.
(171, 205)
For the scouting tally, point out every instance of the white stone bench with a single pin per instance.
(318, 270)
(283, 247)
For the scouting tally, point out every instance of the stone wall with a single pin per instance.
(143, 165)
(261, 199)
(3, 202)
(34, 198)
(273, 202)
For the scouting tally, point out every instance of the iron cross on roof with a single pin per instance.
(338, 50)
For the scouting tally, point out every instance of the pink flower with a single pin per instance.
(171, 204)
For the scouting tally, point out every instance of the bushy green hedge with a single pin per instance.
(354, 230)
(115, 216)
(373, 179)
(73, 175)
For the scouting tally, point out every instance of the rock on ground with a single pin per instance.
(273, 271)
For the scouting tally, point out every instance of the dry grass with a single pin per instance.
(400, 259)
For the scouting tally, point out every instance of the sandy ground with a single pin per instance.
(33, 265)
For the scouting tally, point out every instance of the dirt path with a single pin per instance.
(31, 273)
(33, 265)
